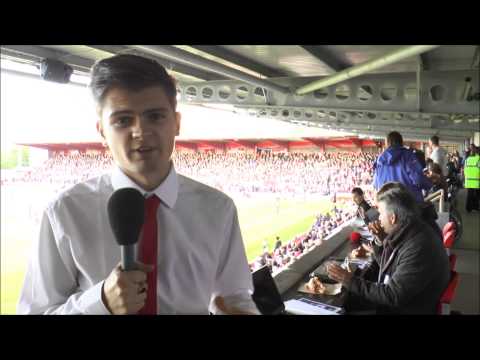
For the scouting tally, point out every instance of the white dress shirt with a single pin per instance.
(439, 156)
(200, 250)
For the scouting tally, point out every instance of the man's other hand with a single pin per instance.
(228, 310)
(337, 273)
(376, 229)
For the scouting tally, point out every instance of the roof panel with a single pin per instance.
(291, 59)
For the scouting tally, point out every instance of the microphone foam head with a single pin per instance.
(355, 237)
(126, 212)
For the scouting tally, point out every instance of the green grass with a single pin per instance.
(17, 233)
(260, 219)
(16, 242)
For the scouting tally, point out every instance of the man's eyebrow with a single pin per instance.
(120, 112)
(159, 109)
(130, 112)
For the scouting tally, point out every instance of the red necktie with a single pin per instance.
(148, 253)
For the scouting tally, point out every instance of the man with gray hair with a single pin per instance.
(413, 265)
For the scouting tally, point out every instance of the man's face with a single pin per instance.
(357, 198)
(386, 220)
(139, 128)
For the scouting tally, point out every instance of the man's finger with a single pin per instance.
(144, 267)
(137, 276)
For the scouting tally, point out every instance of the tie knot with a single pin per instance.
(151, 204)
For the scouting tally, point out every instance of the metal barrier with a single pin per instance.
(437, 196)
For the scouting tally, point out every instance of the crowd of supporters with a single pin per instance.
(64, 170)
(244, 174)
(284, 255)
(282, 173)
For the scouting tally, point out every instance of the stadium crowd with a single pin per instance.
(286, 173)
(282, 173)
(248, 174)
(244, 174)
(284, 255)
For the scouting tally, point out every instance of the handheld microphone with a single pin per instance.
(126, 213)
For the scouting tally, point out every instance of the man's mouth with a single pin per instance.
(144, 149)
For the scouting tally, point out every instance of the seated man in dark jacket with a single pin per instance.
(413, 265)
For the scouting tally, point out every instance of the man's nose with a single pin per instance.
(140, 128)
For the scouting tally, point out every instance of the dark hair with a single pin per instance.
(435, 168)
(131, 72)
(394, 138)
(357, 190)
(420, 157)
(435, 140)
(398, 200)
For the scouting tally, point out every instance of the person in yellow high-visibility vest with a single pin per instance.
(472, 179)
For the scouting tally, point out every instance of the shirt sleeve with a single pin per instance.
(233, 280)
(435, 156)
(50, 285)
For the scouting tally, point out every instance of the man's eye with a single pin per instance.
(122, 121)
(155, 116)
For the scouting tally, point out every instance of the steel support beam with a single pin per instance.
(34, 54)
(184, 57)
(327, 57)
(240, 60)
(369, 66)
(168, 64)
(397, 92)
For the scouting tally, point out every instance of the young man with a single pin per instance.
(199, 265)
(398, 163)
(437, 154)
(363, 205)
(413, 265)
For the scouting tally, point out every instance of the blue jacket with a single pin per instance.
(400, 164)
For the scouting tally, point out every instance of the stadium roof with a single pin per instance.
(417, 90)
(226, 144)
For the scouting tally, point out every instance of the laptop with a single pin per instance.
(269, 302)
(266, 295)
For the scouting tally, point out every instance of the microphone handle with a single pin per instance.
(128, 257)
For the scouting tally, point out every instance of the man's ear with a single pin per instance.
(100, 131)
(392, 218)
(100, 128)
(178, 120)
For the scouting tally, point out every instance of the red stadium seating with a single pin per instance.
(452, 259)
(448, 240)
(448, 226)
(443, 307)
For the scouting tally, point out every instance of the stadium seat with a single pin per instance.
(452, 259)
(448, 226)
(443, 307)
(448, 240)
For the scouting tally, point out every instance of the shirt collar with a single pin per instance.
(167, 191)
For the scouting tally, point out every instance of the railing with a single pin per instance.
(437, 196)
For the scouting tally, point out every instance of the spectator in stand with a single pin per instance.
(472, 179)
(363, 205)
(278, 243)
(438, 154)
(398, 163)
(436, 177)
